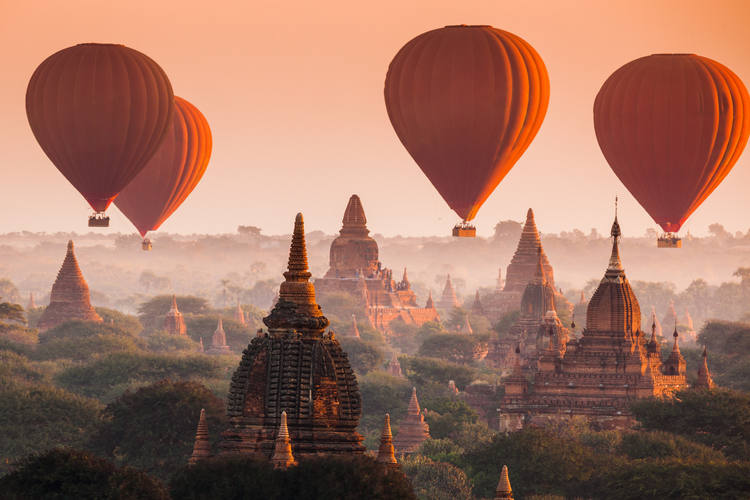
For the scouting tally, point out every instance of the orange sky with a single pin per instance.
(294, 95)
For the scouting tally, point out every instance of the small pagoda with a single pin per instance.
(70, 299)
(219, 341)
(413, 430)
(174, 323)
(448, 300)
(297, 368)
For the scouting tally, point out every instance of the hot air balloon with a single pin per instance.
(672, 126)
(466, 102)
(171, 174)
(99, 112)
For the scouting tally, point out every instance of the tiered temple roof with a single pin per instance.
(413, 430)
(174, 323)
(295, 368)
(355, 270)
(599, 374)
(69, 299)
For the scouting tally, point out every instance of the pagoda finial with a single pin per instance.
(70, 246)
(354, 217)
(174, 309)
(675, 347)
(615, 269)
(539, 274)
(430, 303)
(202, 446)
(386, 453)
(405, 278)
(355, 328)
(503, 490)
(297, 266)
(282, 454)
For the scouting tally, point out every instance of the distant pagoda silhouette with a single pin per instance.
(413, 430)
(69, 299)
(295, 368)
(174, 323)
(219, 341)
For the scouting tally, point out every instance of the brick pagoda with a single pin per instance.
(69, 299)
(297, 368)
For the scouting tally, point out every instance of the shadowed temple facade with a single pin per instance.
(356, 271)
(598, 374)
(298, 368)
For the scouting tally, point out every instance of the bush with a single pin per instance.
(63, 474)
(97, 378)
(153, 428)
(436, 480)
(36, 418)
(340, 478)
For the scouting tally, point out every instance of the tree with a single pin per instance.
(342, 478)
(451, 347)
(153, 428)
(66, 473)
(423, 371)
(8, 291)
(446, 416)
(719, 418)
(12, 313)
(37, 417)
(84, 340)
(363, 356)
(152, 312)
(508, 230)
(436, 480)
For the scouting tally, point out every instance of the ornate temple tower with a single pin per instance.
(598, 375)
(174, 323)
(202, 445)
(413, 430)
(386, 453)
(523, 264)
(219, 341)
(297, 368)
(69, 298)
(394, 367)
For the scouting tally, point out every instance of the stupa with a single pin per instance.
(355, 270)
(598, 375)
(282, 452)
(219, 341)
(413, 430)
(386, 453)
(448, 300)
(202, 445)
(476, 307)
(520, 272)
(704, 380)
(239, 314)
(174, 323)
(295, 368)
(69, 299)
(394, 367)
(503, 490)
(355, 329)
(31, 304)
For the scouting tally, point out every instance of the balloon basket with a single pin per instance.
(669, 240)
(99, 220)
(146, 245)
(464, 230)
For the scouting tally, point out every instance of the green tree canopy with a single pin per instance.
(436, 480)
(153, 428)
(152, 312)
(65, 473)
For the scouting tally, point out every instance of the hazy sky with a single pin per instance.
(294, 95)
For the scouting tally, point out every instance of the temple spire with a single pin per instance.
(202, 446)
(413, 408)
(704, 380)
(539, 274)
(430, 303)
(386, 453)
(173, 309)
(405, 279)
(354, 221)
(282, 454)
(355, 328)
(503, 490)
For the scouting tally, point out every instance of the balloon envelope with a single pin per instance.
(672, 126)
(99, 112)
(466, 102)
(172, 173)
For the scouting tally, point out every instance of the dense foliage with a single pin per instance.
(65, 474)
(350, 478)
(153, 428)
